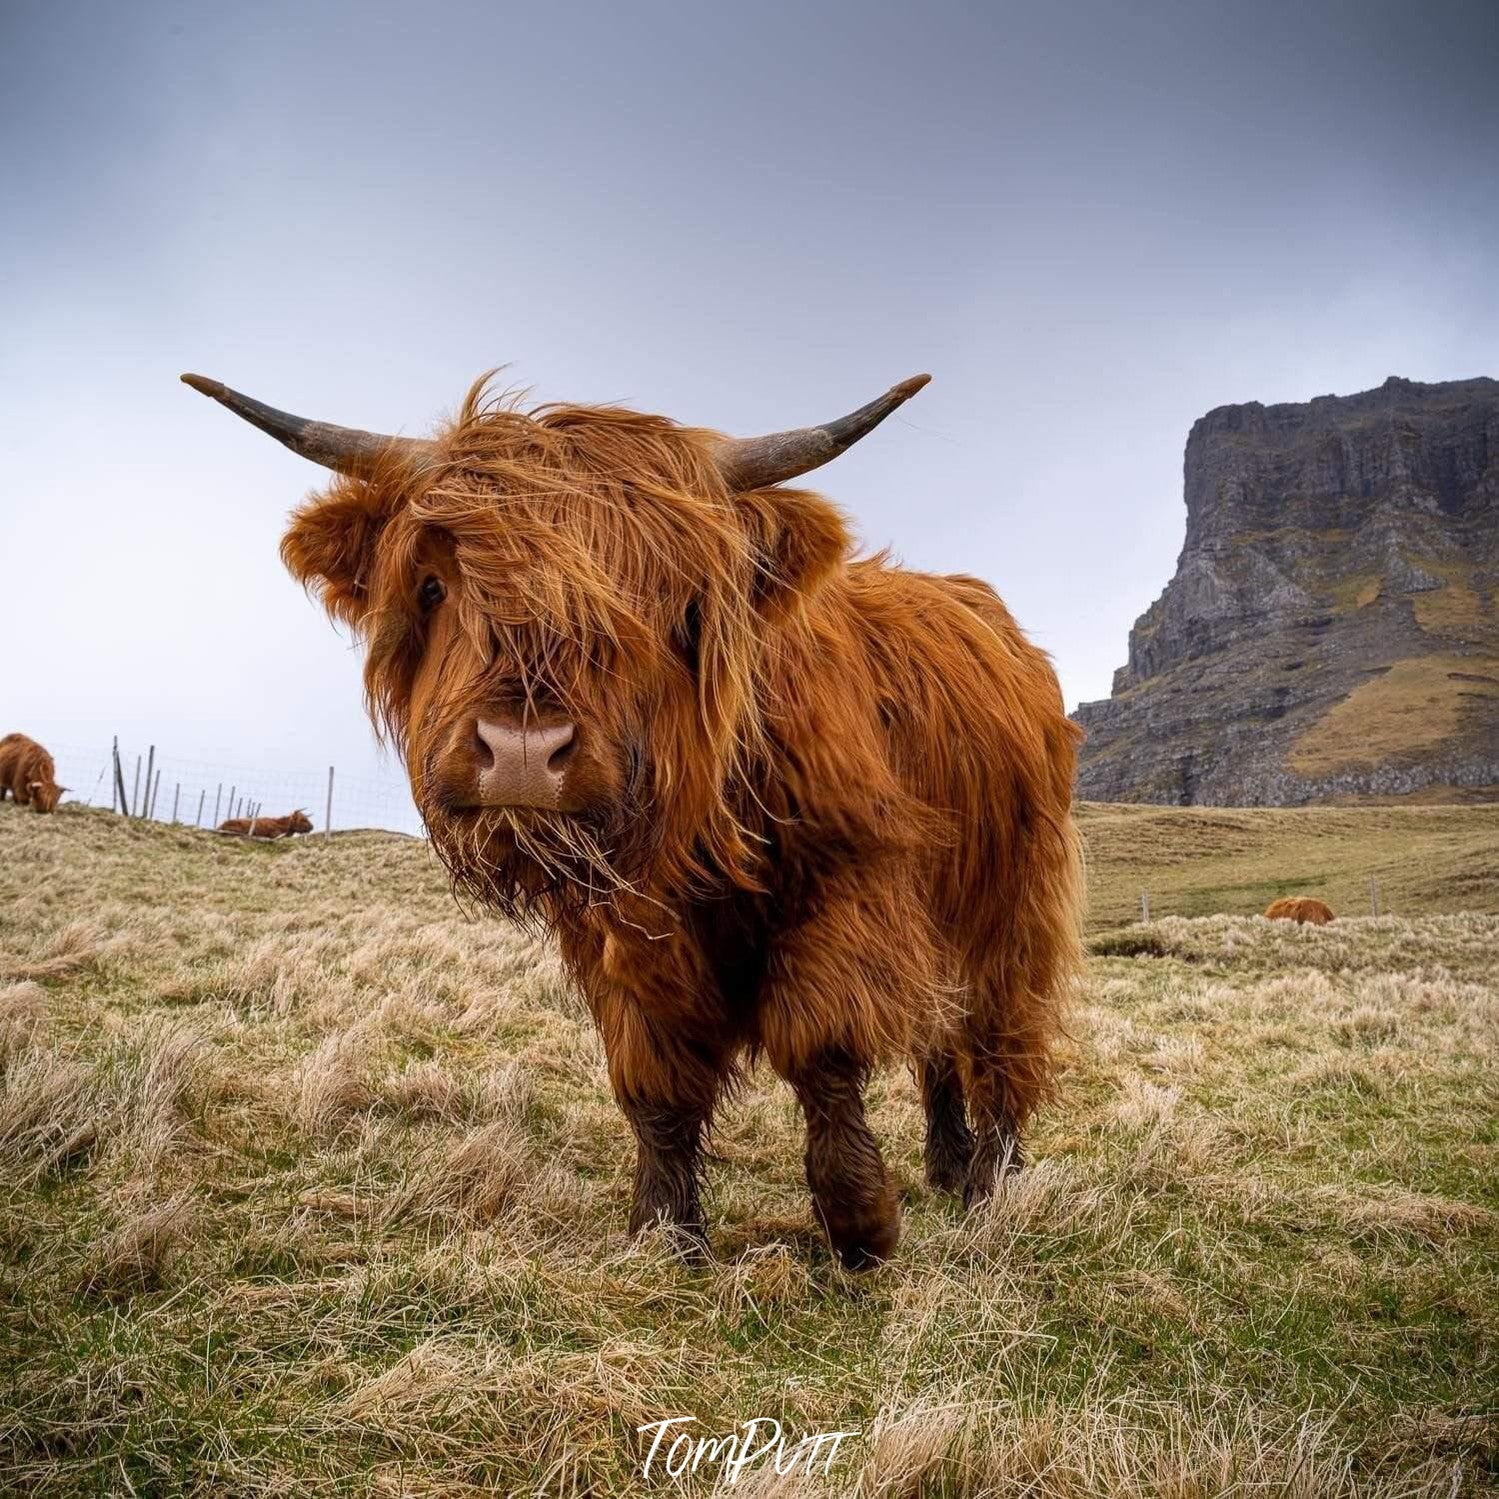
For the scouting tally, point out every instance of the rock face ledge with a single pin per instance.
(1332, 631)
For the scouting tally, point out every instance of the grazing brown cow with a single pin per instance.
(1299, 908)
(772, 800)
(268, 827)
(28, 774)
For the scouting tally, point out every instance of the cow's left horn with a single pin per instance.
(755, 462)
(348, 450)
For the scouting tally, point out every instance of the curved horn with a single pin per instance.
(755, 462)
(348, 450)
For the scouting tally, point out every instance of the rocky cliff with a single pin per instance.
(1332, 631)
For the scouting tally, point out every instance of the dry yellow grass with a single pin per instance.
(1459, 611)
(1413, 708)
(309, 1184)
(1202, 861)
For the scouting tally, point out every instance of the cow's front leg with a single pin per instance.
(669, 1051)
(668, 1164)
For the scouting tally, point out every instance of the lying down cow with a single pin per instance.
(774, 800)
(268, 827)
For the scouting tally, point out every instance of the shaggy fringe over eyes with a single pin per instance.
(600, 592)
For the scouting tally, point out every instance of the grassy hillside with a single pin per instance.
(1203, 861)
(1415, 709)
(309, 1185)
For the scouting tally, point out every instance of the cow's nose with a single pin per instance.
(525, 766)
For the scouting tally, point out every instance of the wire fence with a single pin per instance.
(146, 781)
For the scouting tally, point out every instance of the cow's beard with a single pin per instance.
(541, 869)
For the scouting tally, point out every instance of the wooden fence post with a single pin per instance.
(176, 792)
(218, 791)
(150, 765)
(230, 812)
(1145, 905)
(328, 811)
(155, 792)
(135, 789)
(198, 820)
(1373, 896)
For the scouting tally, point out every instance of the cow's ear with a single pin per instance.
(330, 546)
(800, 541)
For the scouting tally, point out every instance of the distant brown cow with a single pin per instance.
(268, 827)
(1298, 908)
(27, 772)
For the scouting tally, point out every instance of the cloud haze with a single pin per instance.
(1090, 222)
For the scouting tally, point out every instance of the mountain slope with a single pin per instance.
(1332, 630)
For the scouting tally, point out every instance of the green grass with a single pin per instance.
(1205, 861)
(310, 1185)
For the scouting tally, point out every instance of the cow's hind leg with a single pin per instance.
(1008, 1046)
(949, 1141)
(997, 1149)
(851, 1193)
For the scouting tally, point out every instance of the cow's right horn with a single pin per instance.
(347, 450)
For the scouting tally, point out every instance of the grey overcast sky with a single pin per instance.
(1091, 222)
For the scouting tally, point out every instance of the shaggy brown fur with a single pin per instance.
(28, 774)
(268, 827)
(1298, 908)
(822, 806)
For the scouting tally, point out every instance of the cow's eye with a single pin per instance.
(431, 593)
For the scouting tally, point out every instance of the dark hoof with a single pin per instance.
(863, 1241)
(688, 1241)
(947, 1173)
(860, 1258)
(988, 1168)
(690, 1245)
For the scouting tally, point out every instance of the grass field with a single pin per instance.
(1206, 861)
(309, 1185)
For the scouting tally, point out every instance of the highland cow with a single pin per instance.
(773, 800)
(1299, 908)
(28, 774)
(268, 827)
